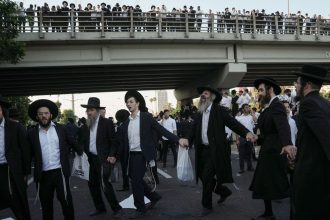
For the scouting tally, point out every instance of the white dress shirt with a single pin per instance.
(134, 140)
(92, 137)
(226, 102)
(50, 148)
(205, 124)
(247, 121)
(294, 130)
(169, 124)
(2, 142)
(243, 99)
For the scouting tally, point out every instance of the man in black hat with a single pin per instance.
(64, 14)
(14, 165)
(100, 149)
(311, 180)
(138, 141)
(50, 144)
(138, 17)
(213, 157)
(270, 181)
(73, 10)
(116, 13)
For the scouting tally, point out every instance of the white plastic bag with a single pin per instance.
(80, 167)
(184, 168)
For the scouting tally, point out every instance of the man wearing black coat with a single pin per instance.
(311, 179)
(101, 151)
(50, 144)
(213, 157)
(14, 165)
(138, 140)
(270, 181)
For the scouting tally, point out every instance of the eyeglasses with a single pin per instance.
(43, 113)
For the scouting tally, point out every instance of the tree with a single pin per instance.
(21, 103)
(10, 50)
(67, 113)
(59, 116)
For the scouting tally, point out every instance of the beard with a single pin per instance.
(44, 124)
(203, 104)
(91, 121)
(264, 100)
(300, 93)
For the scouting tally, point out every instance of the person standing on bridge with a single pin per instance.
(101, 151)
(311, 178)
(14, 164)
(270, 180)
(213, 156)
(137, 138)
(50, 150)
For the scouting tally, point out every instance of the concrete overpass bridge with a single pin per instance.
(100, 60)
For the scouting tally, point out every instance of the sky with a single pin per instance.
(306, 6)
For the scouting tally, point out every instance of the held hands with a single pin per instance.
(290, 151)
(251, 137)
(111, 160)
(183, 142)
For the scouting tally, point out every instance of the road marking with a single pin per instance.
(164, 174)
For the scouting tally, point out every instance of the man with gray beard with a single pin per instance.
(100, 149)
(213, 156)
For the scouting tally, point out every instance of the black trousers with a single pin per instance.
(168, 144)
(124, 173)
(137, 169)
(13, 201)
(99, 174)
(207, 173)
(245, 153)
(50, 182)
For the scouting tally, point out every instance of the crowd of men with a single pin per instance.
(118, 18)
(301, 153)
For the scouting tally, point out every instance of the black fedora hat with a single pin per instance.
(90, 4)
(72, 4)
(268, 81)
(117, 4)
(314, 73)
(4, 103)
(64, 2)
(93, 102)
(34, 106)
(217, 94)
(103, 4)
(139, 98)
(122, 115)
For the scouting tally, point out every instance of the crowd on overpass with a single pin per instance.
(118, 18)
(293, 161)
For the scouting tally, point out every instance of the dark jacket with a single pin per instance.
(148, 126)
(65, 142)
(218, 119)
(270, 178)
(18, 156)
(105, 137)
(311, 181)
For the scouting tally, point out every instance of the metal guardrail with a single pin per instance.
(132, 22)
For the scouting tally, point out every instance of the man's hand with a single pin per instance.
(251, 137)
(183, 142)
(290, 151)
(111, 160)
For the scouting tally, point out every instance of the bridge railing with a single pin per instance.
(133, 22)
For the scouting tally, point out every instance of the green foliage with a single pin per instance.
(59, 111)
(67, 113)
(21, 103)
(10, 50)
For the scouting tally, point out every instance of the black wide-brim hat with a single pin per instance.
(103, 4)
(90, 4)
(217, 94)
(122, 115)
(93, 102)
(139, 98)
(314, 73)
(268, 81)
(4, 103)
(64, 2)
(34, 106)
(73, 5)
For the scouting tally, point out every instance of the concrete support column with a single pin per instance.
(226, 77)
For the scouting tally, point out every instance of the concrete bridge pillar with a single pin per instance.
(226, 77)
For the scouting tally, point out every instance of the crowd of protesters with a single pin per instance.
(118, 18)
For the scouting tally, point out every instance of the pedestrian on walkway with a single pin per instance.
(270, 181)
(311, 180)
(213, 157)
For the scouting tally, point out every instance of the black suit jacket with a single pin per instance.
(148, 129)
(105, 137)
(65, 142)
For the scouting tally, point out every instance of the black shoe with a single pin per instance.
(137, 214)
(98, 212)
(123, 189)
(224, 197)
(154, 202)
(205, 212)
(241, 171)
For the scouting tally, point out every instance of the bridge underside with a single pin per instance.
(107, 78)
